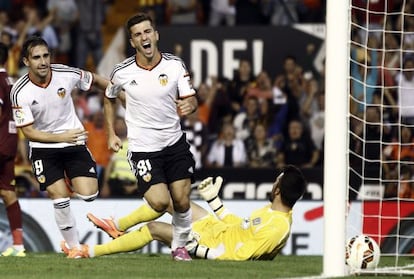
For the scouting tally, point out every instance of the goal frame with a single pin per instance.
(336, 138)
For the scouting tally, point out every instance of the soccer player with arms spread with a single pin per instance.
(158, 91)
(43, 109)
(223, 235)
(8, 150)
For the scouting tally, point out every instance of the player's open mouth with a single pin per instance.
(146, 45)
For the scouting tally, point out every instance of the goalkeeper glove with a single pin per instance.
(209, 192)
(112, 90)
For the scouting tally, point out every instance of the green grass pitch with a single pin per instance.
(135, 265)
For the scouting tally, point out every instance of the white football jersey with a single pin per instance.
(50, 109)
(151, 112)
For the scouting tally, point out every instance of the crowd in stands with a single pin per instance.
(382, 96)
(256, 121)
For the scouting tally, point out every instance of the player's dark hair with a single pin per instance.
(32, 42)
(292, 185)
(138, 18)
(4, 53)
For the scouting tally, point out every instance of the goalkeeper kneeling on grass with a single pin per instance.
(223, 235)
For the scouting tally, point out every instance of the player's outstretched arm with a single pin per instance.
(209, 191)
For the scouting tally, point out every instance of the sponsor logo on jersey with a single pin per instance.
(34, 103)
(61, 92)
(92, 170)
(41, 179)
(147, 177)
(133, 82)
(190, 170)
(163, 79)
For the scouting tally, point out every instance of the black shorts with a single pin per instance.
(173, 163)
(52, 164)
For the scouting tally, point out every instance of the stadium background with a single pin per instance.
(210, 51)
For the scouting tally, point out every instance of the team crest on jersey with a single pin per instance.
(147, 177)
(256, 221)
(61, 92)
(41, 179)
(163, 79)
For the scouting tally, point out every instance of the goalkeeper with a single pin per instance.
(222, 235)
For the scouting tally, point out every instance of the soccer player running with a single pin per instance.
(43, 108)
(8, 150)
(158, 91)
(223, 235)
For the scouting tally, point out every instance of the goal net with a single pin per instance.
(380, 124)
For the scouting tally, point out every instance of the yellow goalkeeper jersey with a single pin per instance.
(260, 237)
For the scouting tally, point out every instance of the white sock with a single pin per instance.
(91, 251)
(66, 222)
(181, 228)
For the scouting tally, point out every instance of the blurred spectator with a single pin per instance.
(291, 83)
(401, 150)
(65, 14)
(81, 104)
(206, 95)
(250, 12)
(405, 82)
(297, 148)
(308, 102)
(238, 85)
(405, 24)
(283, 12)
(6, 5)
(317, 122)
(221, 109)
(400, 183)
(261, 88)
(370, 15)
(389, 111)
(406, 185)
(94, 101)
(227, 150)
(222, 13)
(20, 27)
(156, 9)
(182, 12)
(89, 34)
(41, 26)
(364, 73)
(197, 137)
(245, 121)
(119, 179)
(261, 151)
(311, 11)
(274, 114)
(97, 142)
(365, 149)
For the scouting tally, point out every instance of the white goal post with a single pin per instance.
(369, 132)
(336, 111)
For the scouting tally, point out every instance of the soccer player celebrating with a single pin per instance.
(158, 91)
(8, 149)
(225, 236)
(43, 108)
